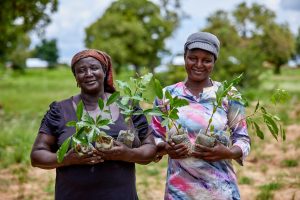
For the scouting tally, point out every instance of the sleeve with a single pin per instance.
(141, 124)
(238, 126)
(53, 120)
(159, 132)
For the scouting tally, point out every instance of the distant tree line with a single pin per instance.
(134, 34)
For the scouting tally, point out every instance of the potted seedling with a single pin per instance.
(255, 120)
(131, 96)
(88, 130)
(168, 111)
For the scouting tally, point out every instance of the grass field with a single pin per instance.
(270, 172)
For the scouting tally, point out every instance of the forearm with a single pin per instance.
(142, 155)
(45, 159)
(235, 152)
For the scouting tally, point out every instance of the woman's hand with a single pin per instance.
(176, 151)
(118, 152)
(73, 158)
(216, 153)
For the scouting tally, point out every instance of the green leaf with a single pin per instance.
(259, 133)
(272, 126)
(174, 114)
(169, 97)
(165, 123)
(138, 98)
(146, 78)
(212, 128)
(127, 91)
(138, 112)
(282, 132)
(113, 98)
(122, 84)
(153, 112)
(104, 122)
(158, 89)
(79, 110)
(101, 103)
(256, 107)
(71, 123)
(179, 102)
(125, 100)
(63, 150)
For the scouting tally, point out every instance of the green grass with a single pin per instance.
(266, 191)
(24, 99)
(244, 180)
(289, 163)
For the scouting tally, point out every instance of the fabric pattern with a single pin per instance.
(193, 178)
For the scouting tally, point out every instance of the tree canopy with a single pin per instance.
(47, 50)
(17, 18)
(133, 33)
(249, 36)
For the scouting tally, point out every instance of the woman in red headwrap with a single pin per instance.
(97, 175)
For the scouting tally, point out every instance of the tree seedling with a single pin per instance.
(88, 130)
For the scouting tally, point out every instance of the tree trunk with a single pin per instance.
(277, 69)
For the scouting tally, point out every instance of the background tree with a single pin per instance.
(18, 17)
(297, 49)
(249, 36)
(47, 51)
(18, 55)
(133, 33)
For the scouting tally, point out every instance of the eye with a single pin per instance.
(208, 61)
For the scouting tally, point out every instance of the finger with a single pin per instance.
(202, 148)
(180, 146)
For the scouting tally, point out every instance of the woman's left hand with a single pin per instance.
(216, 153)
(118, 152)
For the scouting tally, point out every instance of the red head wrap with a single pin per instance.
(104, 59)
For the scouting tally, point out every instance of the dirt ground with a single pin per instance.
(265, 165)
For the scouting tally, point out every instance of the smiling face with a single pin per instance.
(199, 65)
(89, 75)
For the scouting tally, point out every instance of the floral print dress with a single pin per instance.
(194, 178)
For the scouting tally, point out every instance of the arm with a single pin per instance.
(42, 155)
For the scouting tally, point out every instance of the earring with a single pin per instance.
(78, 85)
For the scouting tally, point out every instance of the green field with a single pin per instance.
(24, 99)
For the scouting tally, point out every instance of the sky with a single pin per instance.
(69, 22)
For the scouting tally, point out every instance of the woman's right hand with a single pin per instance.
(90, 158)
(176, 151)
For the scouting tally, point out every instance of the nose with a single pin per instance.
(199, 63)
(88, 72)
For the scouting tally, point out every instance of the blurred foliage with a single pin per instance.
(249, 36)
(17, 18)
(48, 51)
(298, 43)
(136, 31)
(173, 75)
(18, 56)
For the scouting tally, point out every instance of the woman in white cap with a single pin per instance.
(207, 172)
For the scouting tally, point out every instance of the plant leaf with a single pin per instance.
(158, 89)
(259, 133)
(79, 110)
(101, 103)
(165, 122)
(153, 112)
(113, 98)
(63, 150)
(71, 123)
(256, 107)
